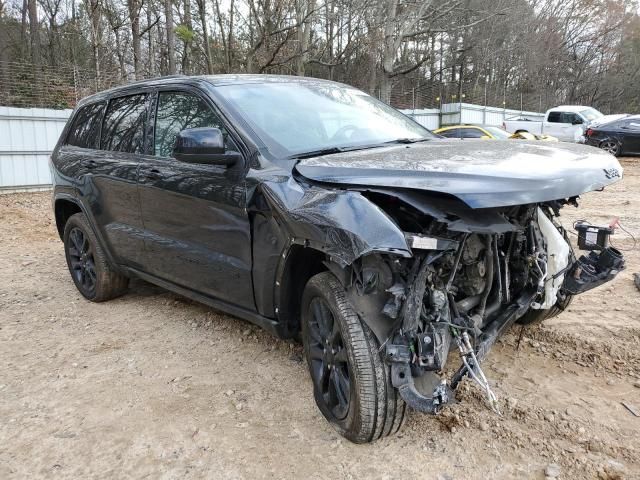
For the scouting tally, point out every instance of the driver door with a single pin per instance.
(197, 232)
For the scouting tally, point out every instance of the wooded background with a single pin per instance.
(525, 54)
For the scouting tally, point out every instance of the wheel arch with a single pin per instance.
(299, 265)
(64, 208)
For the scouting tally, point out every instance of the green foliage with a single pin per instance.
(184, 33)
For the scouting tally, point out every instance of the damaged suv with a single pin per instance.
(315, 211)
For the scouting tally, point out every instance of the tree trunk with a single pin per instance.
(303, 12)
(134, 18)
(34, 33)
(389, 50)
(171, 38)
(151, 54)
(3, 47)
(202, 5)
(23, 29)
(230, 59)
(186, 59)
(93, 11)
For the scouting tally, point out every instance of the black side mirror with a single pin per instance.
(204, 146)
(577, 121)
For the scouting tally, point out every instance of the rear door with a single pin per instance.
(110, 187)
(557, 126)
(197, 231)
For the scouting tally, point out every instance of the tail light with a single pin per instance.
(589, 132)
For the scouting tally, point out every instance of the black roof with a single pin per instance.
(215, 80)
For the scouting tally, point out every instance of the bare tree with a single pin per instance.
(171, 38)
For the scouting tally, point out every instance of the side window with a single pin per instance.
(634, 125)
(450, 133)
(123, 128)
(470, 133)
(85, 130)
(555, 117)
(570, 118)
(178, 111)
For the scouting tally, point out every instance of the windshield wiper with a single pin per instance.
(330, 150)
(409, 140)
(317, 153)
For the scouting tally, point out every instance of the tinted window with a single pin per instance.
(470, 133)
(634, 125)
(85, 131)
(450, 133)
(123, 129)
(292, 118)
(177, 112)
(570, 118)
(555, 117)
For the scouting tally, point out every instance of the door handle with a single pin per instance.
(152, 174)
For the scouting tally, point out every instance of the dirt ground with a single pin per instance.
(152, 385)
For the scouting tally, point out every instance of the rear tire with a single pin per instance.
(373, 407)
(90, 270)
(611, 146)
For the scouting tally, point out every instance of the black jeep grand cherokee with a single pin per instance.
(312, 209)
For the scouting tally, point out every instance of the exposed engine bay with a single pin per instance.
(468, 281)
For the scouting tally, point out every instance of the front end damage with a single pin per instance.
(472, 274)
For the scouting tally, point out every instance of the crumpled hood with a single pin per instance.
(481, 173)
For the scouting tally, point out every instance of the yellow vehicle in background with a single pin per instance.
(487, 132)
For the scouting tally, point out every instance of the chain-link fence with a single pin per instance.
(28, 85)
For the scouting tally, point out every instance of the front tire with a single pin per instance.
(533, 316)
(351, 382)
(90, 270)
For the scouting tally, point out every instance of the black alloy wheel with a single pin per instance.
(81, 262)
(351, 381)
(92, 273)
(329, 362)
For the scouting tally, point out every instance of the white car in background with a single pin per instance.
(567, 122)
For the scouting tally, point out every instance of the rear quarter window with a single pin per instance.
(555, 117)
(124, 124)
(85, 129)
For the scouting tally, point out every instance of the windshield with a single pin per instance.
(497, 132)
(295, 118)
(591, 114)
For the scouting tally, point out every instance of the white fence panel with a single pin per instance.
(427, 117)
(456, 113)
(27, 137)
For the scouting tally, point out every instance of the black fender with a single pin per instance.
(343, 224)
(336, 229)
(60, 194)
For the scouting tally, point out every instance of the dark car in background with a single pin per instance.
(318, 212)
(619, 137)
